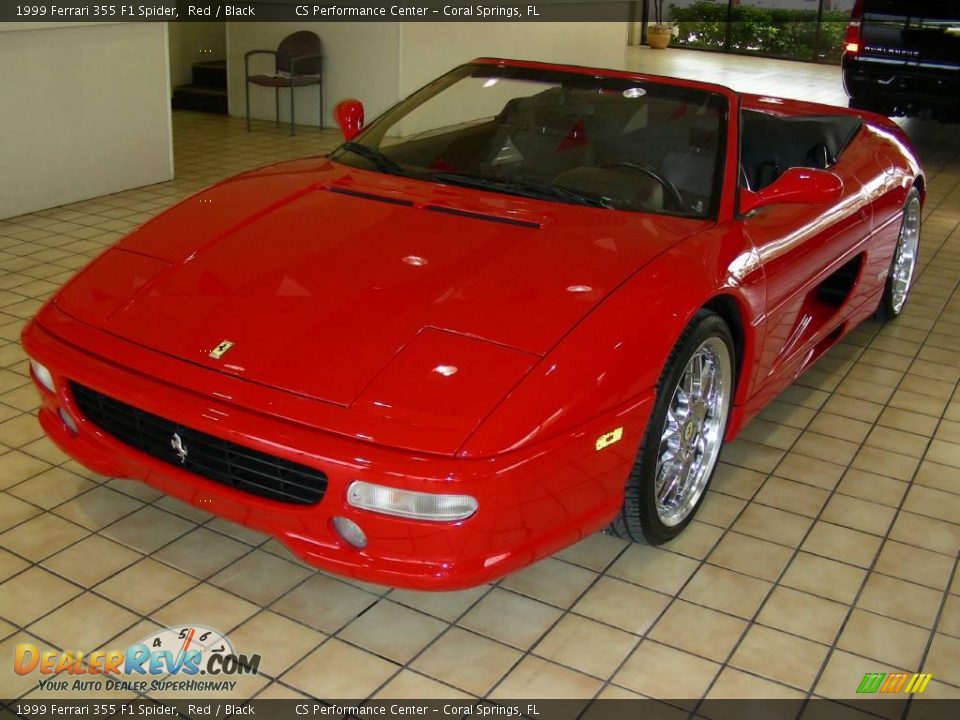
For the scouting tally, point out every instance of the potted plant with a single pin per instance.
(658, 34)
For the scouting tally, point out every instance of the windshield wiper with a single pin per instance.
(526, 188)
(381, 161)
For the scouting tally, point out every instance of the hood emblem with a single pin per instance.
(176, 442)
(608, 439)
(220, 350)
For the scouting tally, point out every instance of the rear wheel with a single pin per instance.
(684, 435)
(904, 264)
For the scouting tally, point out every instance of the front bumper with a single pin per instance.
(532, 502)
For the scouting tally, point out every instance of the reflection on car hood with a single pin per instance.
(319, 275)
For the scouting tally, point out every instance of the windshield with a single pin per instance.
(564, 137)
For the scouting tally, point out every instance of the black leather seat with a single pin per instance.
(771, 144)
(547, 132)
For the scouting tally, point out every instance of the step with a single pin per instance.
(211, 73)
(200, 97)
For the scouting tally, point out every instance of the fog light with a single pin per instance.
(67, 420)
(43, 375)
(409, 504)
(350, 532)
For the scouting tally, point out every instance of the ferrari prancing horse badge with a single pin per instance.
(220, 350)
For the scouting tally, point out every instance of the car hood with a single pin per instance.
(321, 275)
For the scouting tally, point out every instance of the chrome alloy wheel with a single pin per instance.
(905, 258)
(693, 431)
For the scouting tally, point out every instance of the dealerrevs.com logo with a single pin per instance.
(188, 659)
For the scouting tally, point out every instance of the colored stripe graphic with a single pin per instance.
(918, 683)
(894, 682)
(912, 684)
(871, 682)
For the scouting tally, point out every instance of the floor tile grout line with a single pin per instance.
(564, 612)
(90, 533)
(93, 591)
(677, 596)
(853, 604)
(752, 622)
(933, 634)
(144, 555)
(198, 583)
(334, 635)
(529, 650)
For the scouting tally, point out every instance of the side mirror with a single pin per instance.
(797, 186)
(349, 116)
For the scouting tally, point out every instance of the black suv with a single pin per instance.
(902, 57)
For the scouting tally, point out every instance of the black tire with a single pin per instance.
(638, 519)
(887, 309)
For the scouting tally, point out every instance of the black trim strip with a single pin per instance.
(371, 196)
(483, 216)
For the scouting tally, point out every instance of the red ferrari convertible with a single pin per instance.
(528, 302)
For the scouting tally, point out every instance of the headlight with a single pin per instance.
(43, 376)
(409, 504)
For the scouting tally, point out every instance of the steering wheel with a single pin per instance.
(675, 200)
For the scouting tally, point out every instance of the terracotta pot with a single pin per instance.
(658, 37)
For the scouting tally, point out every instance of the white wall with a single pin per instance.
(378, 63)
(360, 60)
(429, 49)
(84, 112)
(192, 42)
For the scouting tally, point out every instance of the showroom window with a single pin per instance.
(809, 30)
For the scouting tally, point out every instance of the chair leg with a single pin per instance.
(292, 110)
(276, 102)
(320, 104)
(246, 92)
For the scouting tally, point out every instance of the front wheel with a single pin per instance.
(684, 435)
(904, 264)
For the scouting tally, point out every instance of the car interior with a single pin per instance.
(770, 144)
(650, 154)
(655, 154)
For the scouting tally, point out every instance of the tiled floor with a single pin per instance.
(827, 546)
(781, 78)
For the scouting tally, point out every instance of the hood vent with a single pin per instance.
(473, 214)
(483, 216)
(371, 196)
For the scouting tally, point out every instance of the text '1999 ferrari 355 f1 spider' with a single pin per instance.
(528, 302)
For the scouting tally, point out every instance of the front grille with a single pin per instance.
(224, 462)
